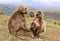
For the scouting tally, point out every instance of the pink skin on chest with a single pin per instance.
(36, 21)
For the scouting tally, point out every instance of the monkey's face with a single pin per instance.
(23, 9)
(38, 15)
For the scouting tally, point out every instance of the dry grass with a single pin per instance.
(52, 33)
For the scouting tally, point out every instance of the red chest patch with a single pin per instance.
(36, 21)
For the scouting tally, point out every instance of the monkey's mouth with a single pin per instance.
(25, 12)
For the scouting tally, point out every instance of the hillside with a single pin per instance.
(52, 14)
(8, 9)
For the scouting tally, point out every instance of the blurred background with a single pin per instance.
(51, 8)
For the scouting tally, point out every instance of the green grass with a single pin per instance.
(52, 32)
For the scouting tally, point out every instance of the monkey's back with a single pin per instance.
(16, 21)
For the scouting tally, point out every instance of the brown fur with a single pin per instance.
(17, 21)
(38, 25)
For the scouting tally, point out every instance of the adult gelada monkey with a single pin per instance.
(17, 21)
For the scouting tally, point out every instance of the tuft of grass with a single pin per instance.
(59, 24)
(3, 18)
